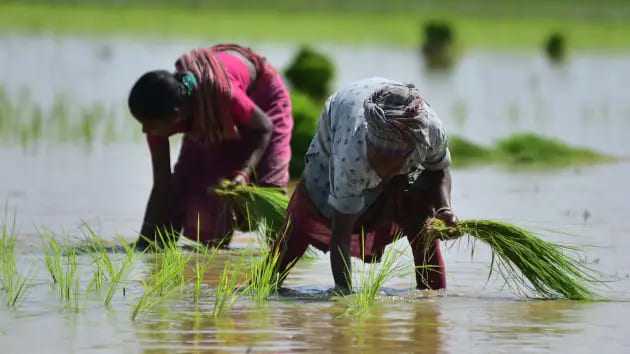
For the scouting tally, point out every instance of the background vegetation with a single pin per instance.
(493, 23)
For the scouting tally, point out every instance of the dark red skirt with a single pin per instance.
(401, 210)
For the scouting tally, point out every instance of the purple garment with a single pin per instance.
(200, 166)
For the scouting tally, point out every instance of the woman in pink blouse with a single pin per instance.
(235, 113)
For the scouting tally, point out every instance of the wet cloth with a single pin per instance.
(337, 173)
(400, 211)
(202, 164)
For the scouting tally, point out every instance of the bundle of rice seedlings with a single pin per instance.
(256, 204)
(525, 261)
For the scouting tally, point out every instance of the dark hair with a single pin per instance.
(156, 95)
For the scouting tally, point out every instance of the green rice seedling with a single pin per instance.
(119, 275)
(13, 284)
(227, 292)
(263, 277)
(101, 261)
(526, 262)
(370, 280)
(63, 271)
(167, 279)
(257, 204)
(203, 257)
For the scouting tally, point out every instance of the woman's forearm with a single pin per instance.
(257, 133)
(440, 182)
(157, 214)
(259, 143)
(342, 226)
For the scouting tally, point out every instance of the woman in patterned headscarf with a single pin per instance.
(377, 167)
(235, 113)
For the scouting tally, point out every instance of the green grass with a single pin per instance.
(589, 24)
(523, 150)
(526, 262)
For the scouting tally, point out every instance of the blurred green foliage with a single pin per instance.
(556, 47)
(523, 150)
(479, 23)
(312, 73)
(306, 114)
(438, 47)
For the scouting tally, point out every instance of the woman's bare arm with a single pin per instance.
(342, 227)
(156, 217)
(257, 132)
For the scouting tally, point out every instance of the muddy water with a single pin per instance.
(585, 102)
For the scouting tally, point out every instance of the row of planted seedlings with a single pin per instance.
(252, 274)
(110, 267)
(26, 122)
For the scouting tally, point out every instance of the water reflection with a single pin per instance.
(283, 326)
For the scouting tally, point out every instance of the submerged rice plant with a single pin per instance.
(101, 261)
(13, 284)
(226, 293)
(63, 269)
(117, 276)
(370, 281)
(525, 261)
(262, 276)
(167, 278)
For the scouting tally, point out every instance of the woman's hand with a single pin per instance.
(447, 215)
(240, 178)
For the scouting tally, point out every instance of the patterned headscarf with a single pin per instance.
(396, 119)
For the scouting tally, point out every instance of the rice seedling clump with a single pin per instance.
(370, 281)
(257, 204)
(525, 261)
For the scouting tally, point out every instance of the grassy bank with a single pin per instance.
(504, 27)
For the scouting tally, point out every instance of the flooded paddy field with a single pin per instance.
(59, 185)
